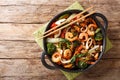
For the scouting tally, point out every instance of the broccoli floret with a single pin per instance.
(98, 36)
(51, 48)
(82, 64)
(76, 43)
(64, 43)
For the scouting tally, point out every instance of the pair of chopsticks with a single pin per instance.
(48, 33)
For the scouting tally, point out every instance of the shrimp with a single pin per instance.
(67, 54)
(68, 65)
(77, 28)
(90, 31)
(83, 36)
(70, 36)
(84, 50)
(92, 25)
(84, 29)
(56, 57)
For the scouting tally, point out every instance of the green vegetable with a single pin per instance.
(82, 64)
(98, 36)
(65, 16)
(51, 48)
(73, 59)
(80, 55)
(76, 43)
(97, 30)
(64, 43)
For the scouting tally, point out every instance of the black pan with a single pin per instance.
(103, 30)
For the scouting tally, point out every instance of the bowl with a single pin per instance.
(103, 28)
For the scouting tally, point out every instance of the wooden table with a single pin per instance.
(20, 54)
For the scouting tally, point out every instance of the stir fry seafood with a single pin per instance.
(76, 46)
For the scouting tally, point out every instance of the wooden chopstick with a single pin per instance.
(78, 15)
(68, 24)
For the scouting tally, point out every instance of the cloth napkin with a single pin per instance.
(69, 76)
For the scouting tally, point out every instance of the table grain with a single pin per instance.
(20, 54)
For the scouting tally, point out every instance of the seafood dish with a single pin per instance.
(76, 46)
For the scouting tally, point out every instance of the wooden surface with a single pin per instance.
(20, 54)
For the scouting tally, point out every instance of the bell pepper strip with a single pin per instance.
(78, 49)
(53, 25)
(63, 33)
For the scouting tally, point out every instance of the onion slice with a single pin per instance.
(101, 48)
(93, 49)
(65, 61)
(88, 44)
(60, 21)
(54, 40)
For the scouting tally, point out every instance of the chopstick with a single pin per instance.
(68, 24)
(67, 21)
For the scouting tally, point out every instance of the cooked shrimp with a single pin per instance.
(70, 36)
(90, 20)
(77, 28)
(84, 50)
(83, 24)
(92, 25)
(83, 36)
(56, 57)
(90, 29)
(67, 54)
(84, 29)
(90, 32)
